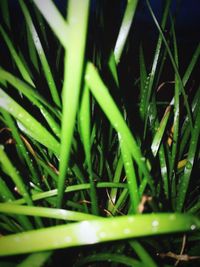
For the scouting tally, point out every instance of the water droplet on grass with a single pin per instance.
(188, 165)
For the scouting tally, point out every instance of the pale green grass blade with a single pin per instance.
(124, 29)
(160, 131)
(60, 214)
(46, 68)
(96, 231)
(73, 65)
(18, 61)
(29, 123)
(100, 92)
(192, 153)
(71, 188)
(5, 193)
(32, 50)
(58, 24)
(131, 177)
(84, 120)
(35, 260)
(116, 179)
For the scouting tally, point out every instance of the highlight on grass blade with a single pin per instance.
(97, 231)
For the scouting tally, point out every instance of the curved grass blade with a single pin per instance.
(96, 231)
(31, 125)
(100, 92)
(124, 29)
(71, 188)
(41, 54)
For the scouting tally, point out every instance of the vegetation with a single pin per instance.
(99, 149)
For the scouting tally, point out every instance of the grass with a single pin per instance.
(85, 177)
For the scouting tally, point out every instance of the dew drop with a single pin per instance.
(188, 165)
(193, 227)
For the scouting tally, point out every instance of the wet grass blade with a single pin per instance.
(192, 152)
(124, 29)
(58, 23)
(84, 118)
(45, 65)
(60, 214)
(96, 231)
(28, 123)
(73, 64)
(16, 58)
(100, 92)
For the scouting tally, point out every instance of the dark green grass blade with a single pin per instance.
(84, 118)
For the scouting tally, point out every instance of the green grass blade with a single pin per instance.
(154, 67)
(71, 188)
(193, 151)
(84, 118)
(100, 92)
(160, 131)
(73, 64)
(124, 29)
(131, 177)
(35, 260)
(143, 84)
(41, 54)
(60, 214)
(58, 24)
(109, 258)
(30, 124)
(142, 254)
(18, 61)
(173, 64)
(21, 146)
(96, 231)
(4, 4)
